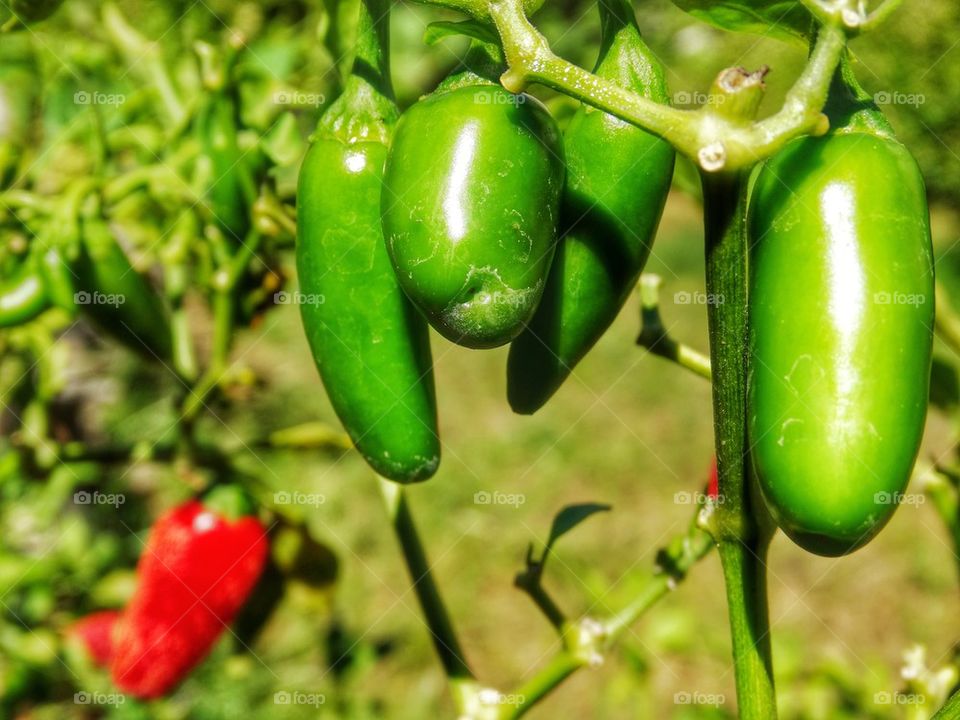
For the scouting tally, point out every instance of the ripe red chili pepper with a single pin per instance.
(196, 572)
(713, 482)
(95, 631)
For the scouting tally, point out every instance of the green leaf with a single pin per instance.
(568, 518)
(783, 19)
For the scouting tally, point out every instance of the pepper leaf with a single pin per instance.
(786, 20)
(568, 518)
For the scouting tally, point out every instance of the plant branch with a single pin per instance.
(654, 336)
(444, 637)
(710, 136)
(586, 640)
(144, 57)
(742, 541)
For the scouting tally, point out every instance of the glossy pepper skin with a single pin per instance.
(112, 293)
(841, 316)
(470, 209)
(370, 344)
(196, 572)
(22, 296)
(618, 177)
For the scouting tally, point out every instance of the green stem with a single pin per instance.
(673, 563)
(438, 621)
(530, 582)
(943, 492)
(144, 56)
(372, 59)
(951, 710)
(561, 666)
(223, 313)
(713, 140)
(654, 337)
(742, 542)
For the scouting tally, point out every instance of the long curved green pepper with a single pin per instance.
(841, 318)
(370, 344)
(229, 194)
(23, 296)
(618, 177)
(111, 292)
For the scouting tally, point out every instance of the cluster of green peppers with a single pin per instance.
(95, 276)
(472, 213)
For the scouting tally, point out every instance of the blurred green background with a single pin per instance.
(628, 429)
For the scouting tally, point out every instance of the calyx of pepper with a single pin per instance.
(737, 93)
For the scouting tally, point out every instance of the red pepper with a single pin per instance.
(95, 631)
(196, 572)
(713, 484)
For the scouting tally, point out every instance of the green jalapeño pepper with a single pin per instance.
(470, 207)
(118, 298)
(618, 177)
(230, 190)
(370, 344)
(23, 296)
(841, 317)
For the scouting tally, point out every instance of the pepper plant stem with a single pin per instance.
(950, 710)
(673, 563)
(715, 141)
(444, 637)
(654, 336)
(742, 542)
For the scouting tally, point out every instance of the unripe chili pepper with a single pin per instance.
(841, 318)
(370, 344)
(618, 177)
(111, 292)
(471, 205)
(24, 295)
(196, 572)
